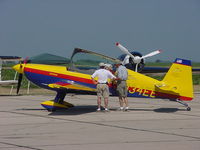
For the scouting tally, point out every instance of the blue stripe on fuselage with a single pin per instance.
(44, 80)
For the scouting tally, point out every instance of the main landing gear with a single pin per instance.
(58, 103)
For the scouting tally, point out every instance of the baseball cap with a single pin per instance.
(101, 64)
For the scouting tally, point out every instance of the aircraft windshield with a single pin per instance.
(87, 61)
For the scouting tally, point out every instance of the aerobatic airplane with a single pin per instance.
(76, 77)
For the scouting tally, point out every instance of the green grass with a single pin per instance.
(161, 64)
(196, 64)
(196, 79)
(8, 74)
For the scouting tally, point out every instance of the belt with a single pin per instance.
(102, 83)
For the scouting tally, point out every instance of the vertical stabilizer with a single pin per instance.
(179, 79)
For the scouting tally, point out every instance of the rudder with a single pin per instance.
(179, 78)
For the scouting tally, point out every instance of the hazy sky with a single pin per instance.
(32, 27)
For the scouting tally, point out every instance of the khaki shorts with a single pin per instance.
(102, 90)
(122, 88)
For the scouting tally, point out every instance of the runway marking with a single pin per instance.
(106, 125)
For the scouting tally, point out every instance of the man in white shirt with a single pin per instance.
(102, 88)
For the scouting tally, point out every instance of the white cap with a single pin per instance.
(101, 64)
(108, 65)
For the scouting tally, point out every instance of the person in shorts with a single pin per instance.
(122, 75)
(102, 75)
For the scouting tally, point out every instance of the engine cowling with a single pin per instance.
(132, 65)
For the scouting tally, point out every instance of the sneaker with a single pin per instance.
(106, 109)
(99, 109)
(120, 108)
(126, 109)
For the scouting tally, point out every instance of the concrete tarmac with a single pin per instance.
(149, 125)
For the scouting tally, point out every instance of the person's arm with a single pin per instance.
(94, 81)
(93, 76)
(111, 76)
(119, 73)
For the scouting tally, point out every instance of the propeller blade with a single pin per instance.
(136, 68)
(123, 49)
(19, 82)
(152, 54)
(126, 60)
(20, 69)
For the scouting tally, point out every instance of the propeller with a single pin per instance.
(124, 50)
(20, 77)
(19, 82)
(136, 59)
(152, 53)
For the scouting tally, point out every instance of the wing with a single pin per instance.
(71, 85)
(154, 69)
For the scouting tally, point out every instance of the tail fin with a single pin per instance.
(179, 78)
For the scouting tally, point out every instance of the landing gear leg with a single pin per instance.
(184, 104)
(57, 103)
(60, 97)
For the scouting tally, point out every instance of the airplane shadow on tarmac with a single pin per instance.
(78, 110)
(168, 110)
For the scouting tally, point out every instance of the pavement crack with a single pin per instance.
(20, 146)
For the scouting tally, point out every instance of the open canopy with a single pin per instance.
(47, 58)
(86, 61)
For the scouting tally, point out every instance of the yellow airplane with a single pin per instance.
(76, 77)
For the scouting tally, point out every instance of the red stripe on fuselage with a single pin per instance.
(155, 94)
(58, 75)
(183, 98)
